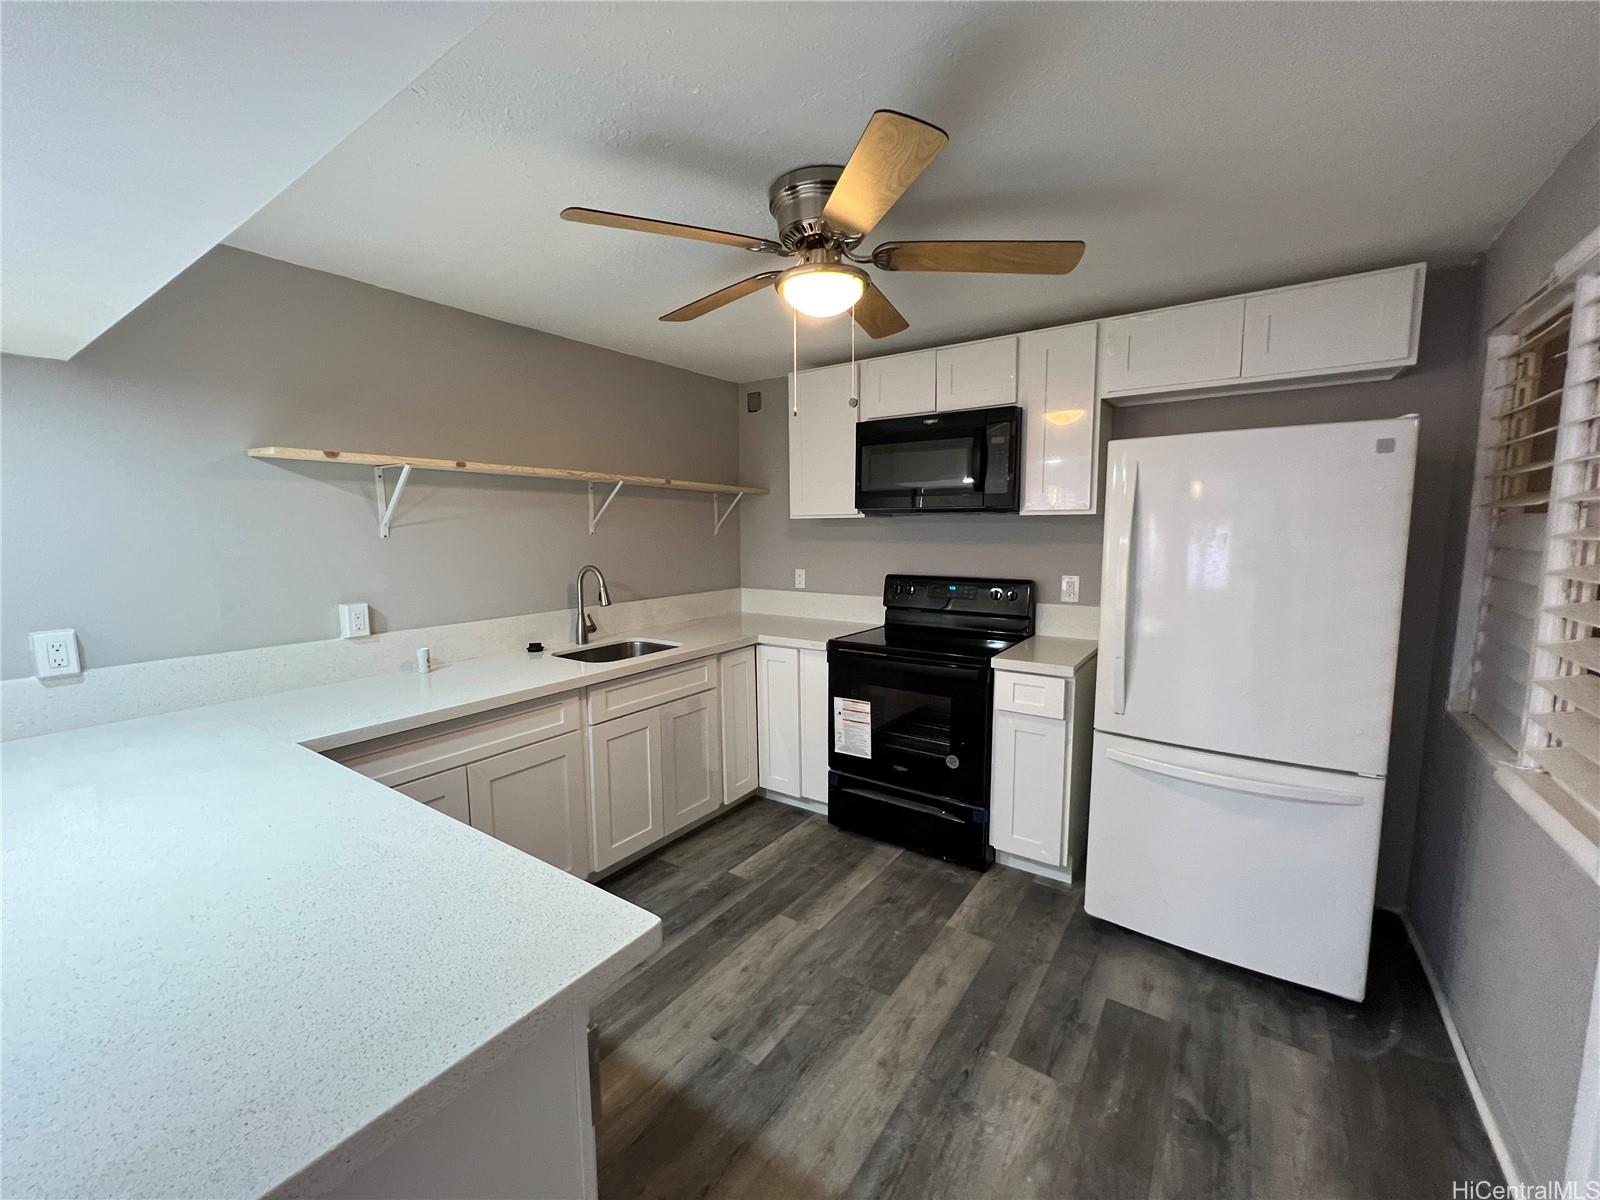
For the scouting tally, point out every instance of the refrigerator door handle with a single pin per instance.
(1122, 539)
(1234, 783)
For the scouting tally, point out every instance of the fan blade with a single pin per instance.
(727, 295)
(893, 151)
(1001, 258)
(877, 316)
(595, 216)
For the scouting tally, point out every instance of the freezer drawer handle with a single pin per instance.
(1234, 783)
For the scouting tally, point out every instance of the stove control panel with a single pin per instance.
(954, 593)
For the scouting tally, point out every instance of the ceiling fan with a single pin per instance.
(824, 212)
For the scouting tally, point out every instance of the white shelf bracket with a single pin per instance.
(594, 514)
(720, 514)
(387, 504)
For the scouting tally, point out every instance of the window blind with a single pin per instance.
(1562, 734)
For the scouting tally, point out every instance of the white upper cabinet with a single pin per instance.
(977, 375)
(1339, 324)
(1174, 347)
(1061, 423)
(822, 443)
(901, 386)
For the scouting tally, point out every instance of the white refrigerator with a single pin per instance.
(1249, 620)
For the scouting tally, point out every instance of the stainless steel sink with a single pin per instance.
(616, 651)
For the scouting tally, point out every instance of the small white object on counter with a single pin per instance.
(424, 663)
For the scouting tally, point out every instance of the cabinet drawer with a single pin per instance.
(646, 691)
(445, 792)
(1037, 695)
(403, 757)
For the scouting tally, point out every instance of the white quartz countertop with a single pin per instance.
(232, 965)
(1058, 656)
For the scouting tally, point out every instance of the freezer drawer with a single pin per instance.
(1268, 866)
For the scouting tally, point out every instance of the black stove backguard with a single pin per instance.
(909, 754)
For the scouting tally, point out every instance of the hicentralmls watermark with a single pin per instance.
(1555, 1189)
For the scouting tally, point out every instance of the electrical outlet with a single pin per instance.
(55, 653)
(1069, 589)
(354, 621)
(800, 577)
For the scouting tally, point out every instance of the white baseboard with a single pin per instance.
(1497, 1141)
(1017, 862)
(810, 806)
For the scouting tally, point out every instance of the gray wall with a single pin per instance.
(852, 556)
(1509, 922)
(131, 513)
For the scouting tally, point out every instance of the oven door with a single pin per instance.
(915, 726)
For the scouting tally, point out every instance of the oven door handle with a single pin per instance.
(916, 806)
(856, 659)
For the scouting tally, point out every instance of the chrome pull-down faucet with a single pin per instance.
(585, 621)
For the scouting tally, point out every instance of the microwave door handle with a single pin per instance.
(1121, 580)
(978, 458)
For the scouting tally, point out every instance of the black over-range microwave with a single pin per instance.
(963, 461)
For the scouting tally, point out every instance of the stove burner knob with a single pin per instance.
(1011, 595)
(996, 593)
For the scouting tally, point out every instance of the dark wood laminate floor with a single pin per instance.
(830, 1016)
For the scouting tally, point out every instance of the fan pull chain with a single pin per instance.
(794, 377)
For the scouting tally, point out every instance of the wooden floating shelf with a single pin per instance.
(408, 463)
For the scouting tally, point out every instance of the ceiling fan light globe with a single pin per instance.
(822, 290)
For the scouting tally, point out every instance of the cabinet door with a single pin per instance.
(816, 725)
(901, 386)
(1327, 326)
(534, 799)
(778, 718)
(739, 757)
(446, 791)
(980, 375)
(822, 443)
(1027, 787)
(1153, 352)
(691, 759)
(1061, 434)
(626, 804)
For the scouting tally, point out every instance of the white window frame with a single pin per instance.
(1574, 282)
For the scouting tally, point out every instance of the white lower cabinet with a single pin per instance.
(1039, 773)
(627, 800)
(534, 799)
(737, 677)
(816, 721)
(691, 759)
(793, 721)
(778, 718)
(446, 792)
(1028, 787)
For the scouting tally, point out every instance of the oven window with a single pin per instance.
(939, 464)
(910, 722)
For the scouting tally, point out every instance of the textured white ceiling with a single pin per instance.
(1197, 148)
(138, 135)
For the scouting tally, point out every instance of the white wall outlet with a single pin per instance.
(55, 653)
(800, 577)
(354, 621)
(1069, 589)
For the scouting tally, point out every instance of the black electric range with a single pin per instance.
(909, 756)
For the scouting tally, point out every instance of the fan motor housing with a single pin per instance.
(796, 200)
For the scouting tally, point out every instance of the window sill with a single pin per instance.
(1523, 787)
